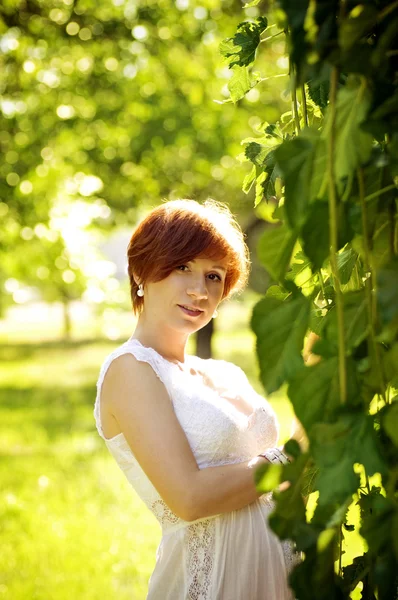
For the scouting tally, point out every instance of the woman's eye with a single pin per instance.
(182, 267)
(215, 277)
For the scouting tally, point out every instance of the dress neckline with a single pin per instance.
(190, 361)
(189, 358)
(247, 419)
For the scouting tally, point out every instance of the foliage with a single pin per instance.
(109, 104)
(327, 170)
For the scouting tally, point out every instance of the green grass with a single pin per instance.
(71, 526)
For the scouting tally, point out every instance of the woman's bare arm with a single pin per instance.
(140, 403)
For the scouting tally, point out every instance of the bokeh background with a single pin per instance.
(106, 109)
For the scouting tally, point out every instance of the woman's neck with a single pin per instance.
(166, 343)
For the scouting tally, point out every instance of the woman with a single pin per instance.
(188, 433)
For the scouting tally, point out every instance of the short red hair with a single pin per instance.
(179, 231)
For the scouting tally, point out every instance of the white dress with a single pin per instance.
(230, 556)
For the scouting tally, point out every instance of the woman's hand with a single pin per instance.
(310, 358)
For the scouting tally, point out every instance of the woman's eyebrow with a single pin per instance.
(219, 267)
(214, 266)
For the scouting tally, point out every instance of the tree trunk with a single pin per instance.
(67, 320)
(203, 340)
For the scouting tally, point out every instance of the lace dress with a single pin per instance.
(230, 556)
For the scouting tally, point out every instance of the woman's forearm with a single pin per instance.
(225, 488)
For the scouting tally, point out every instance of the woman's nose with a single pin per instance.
(197, 288)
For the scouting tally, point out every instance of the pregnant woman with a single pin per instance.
(188, 433)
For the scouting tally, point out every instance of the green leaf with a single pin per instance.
(268, 477)
(241, 48)
(263, 156)
(315, 231)
(288, 519)
(297, 268)
(353, 146)
(302, 162)
(336, 448)
(280, 327)
(345, 264)
(275, 291)
(358, 22)
(249, 180)
(390, 364)
(387, 297)
(356, 326)
(315, 234)
(257, 153)
(260, 188)
(252, 3)
(275, 250)
(352, 572)
(382, 250)
(320, 383)
(319, 92)
(241, 82)
(390, 422)
(377, 514)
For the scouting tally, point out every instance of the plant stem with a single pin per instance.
(373, 348)
(358, 280)
(340, 546)
(379, 192)
(333, 234)
(272, 77)
(304, 104)
(271, 36)
(387, 10)
(295, 111)
(322, 285)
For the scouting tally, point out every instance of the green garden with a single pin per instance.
(287, 112)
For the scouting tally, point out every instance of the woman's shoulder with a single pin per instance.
(133, 358)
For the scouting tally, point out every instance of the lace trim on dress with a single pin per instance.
(163, 513)
(201, 540)
(292, 557)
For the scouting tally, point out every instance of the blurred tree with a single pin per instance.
(114, 103)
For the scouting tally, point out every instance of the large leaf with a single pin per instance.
(319, 92)
(315, 231)
(383, 233)
(356, 24)
(275, 250)
(378, 514)
(302, 162)
(356, 325)
(337, 447)
(241, 82)
(249, 180)
(315, 234)
(263, 156)
(288, 520)
(298, 269)
(387, 297)
(345, 264)
(315, 394)
(280, 327)
(241, 48)
(353, 146)
(390, 422)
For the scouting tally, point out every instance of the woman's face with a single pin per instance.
(187, 299)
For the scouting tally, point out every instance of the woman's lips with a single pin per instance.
(191, 313)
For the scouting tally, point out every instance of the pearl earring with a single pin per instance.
(140, 291)
(215, 314)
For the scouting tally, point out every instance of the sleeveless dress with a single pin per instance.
(229, 556)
